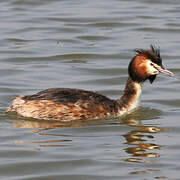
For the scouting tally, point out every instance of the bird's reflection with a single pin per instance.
(41, 126)
(140, 146)
(140, 138)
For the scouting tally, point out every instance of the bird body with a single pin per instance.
(67, 104)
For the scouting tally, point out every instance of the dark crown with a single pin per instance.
(153, 54)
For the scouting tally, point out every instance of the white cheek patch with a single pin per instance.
(151, 69)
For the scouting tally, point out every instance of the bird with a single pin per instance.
(66, 104)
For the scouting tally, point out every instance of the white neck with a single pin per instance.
(130, 97)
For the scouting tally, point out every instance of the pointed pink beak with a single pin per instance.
(164, 71)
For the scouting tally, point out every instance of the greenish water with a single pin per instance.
(88, 45)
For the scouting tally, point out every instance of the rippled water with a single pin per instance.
(88, 44)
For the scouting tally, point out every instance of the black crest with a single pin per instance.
(154, 55)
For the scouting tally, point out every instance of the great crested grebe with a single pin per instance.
(67, 104)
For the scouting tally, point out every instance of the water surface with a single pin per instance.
(88, 45)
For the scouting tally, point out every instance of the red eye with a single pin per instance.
(151, 64)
